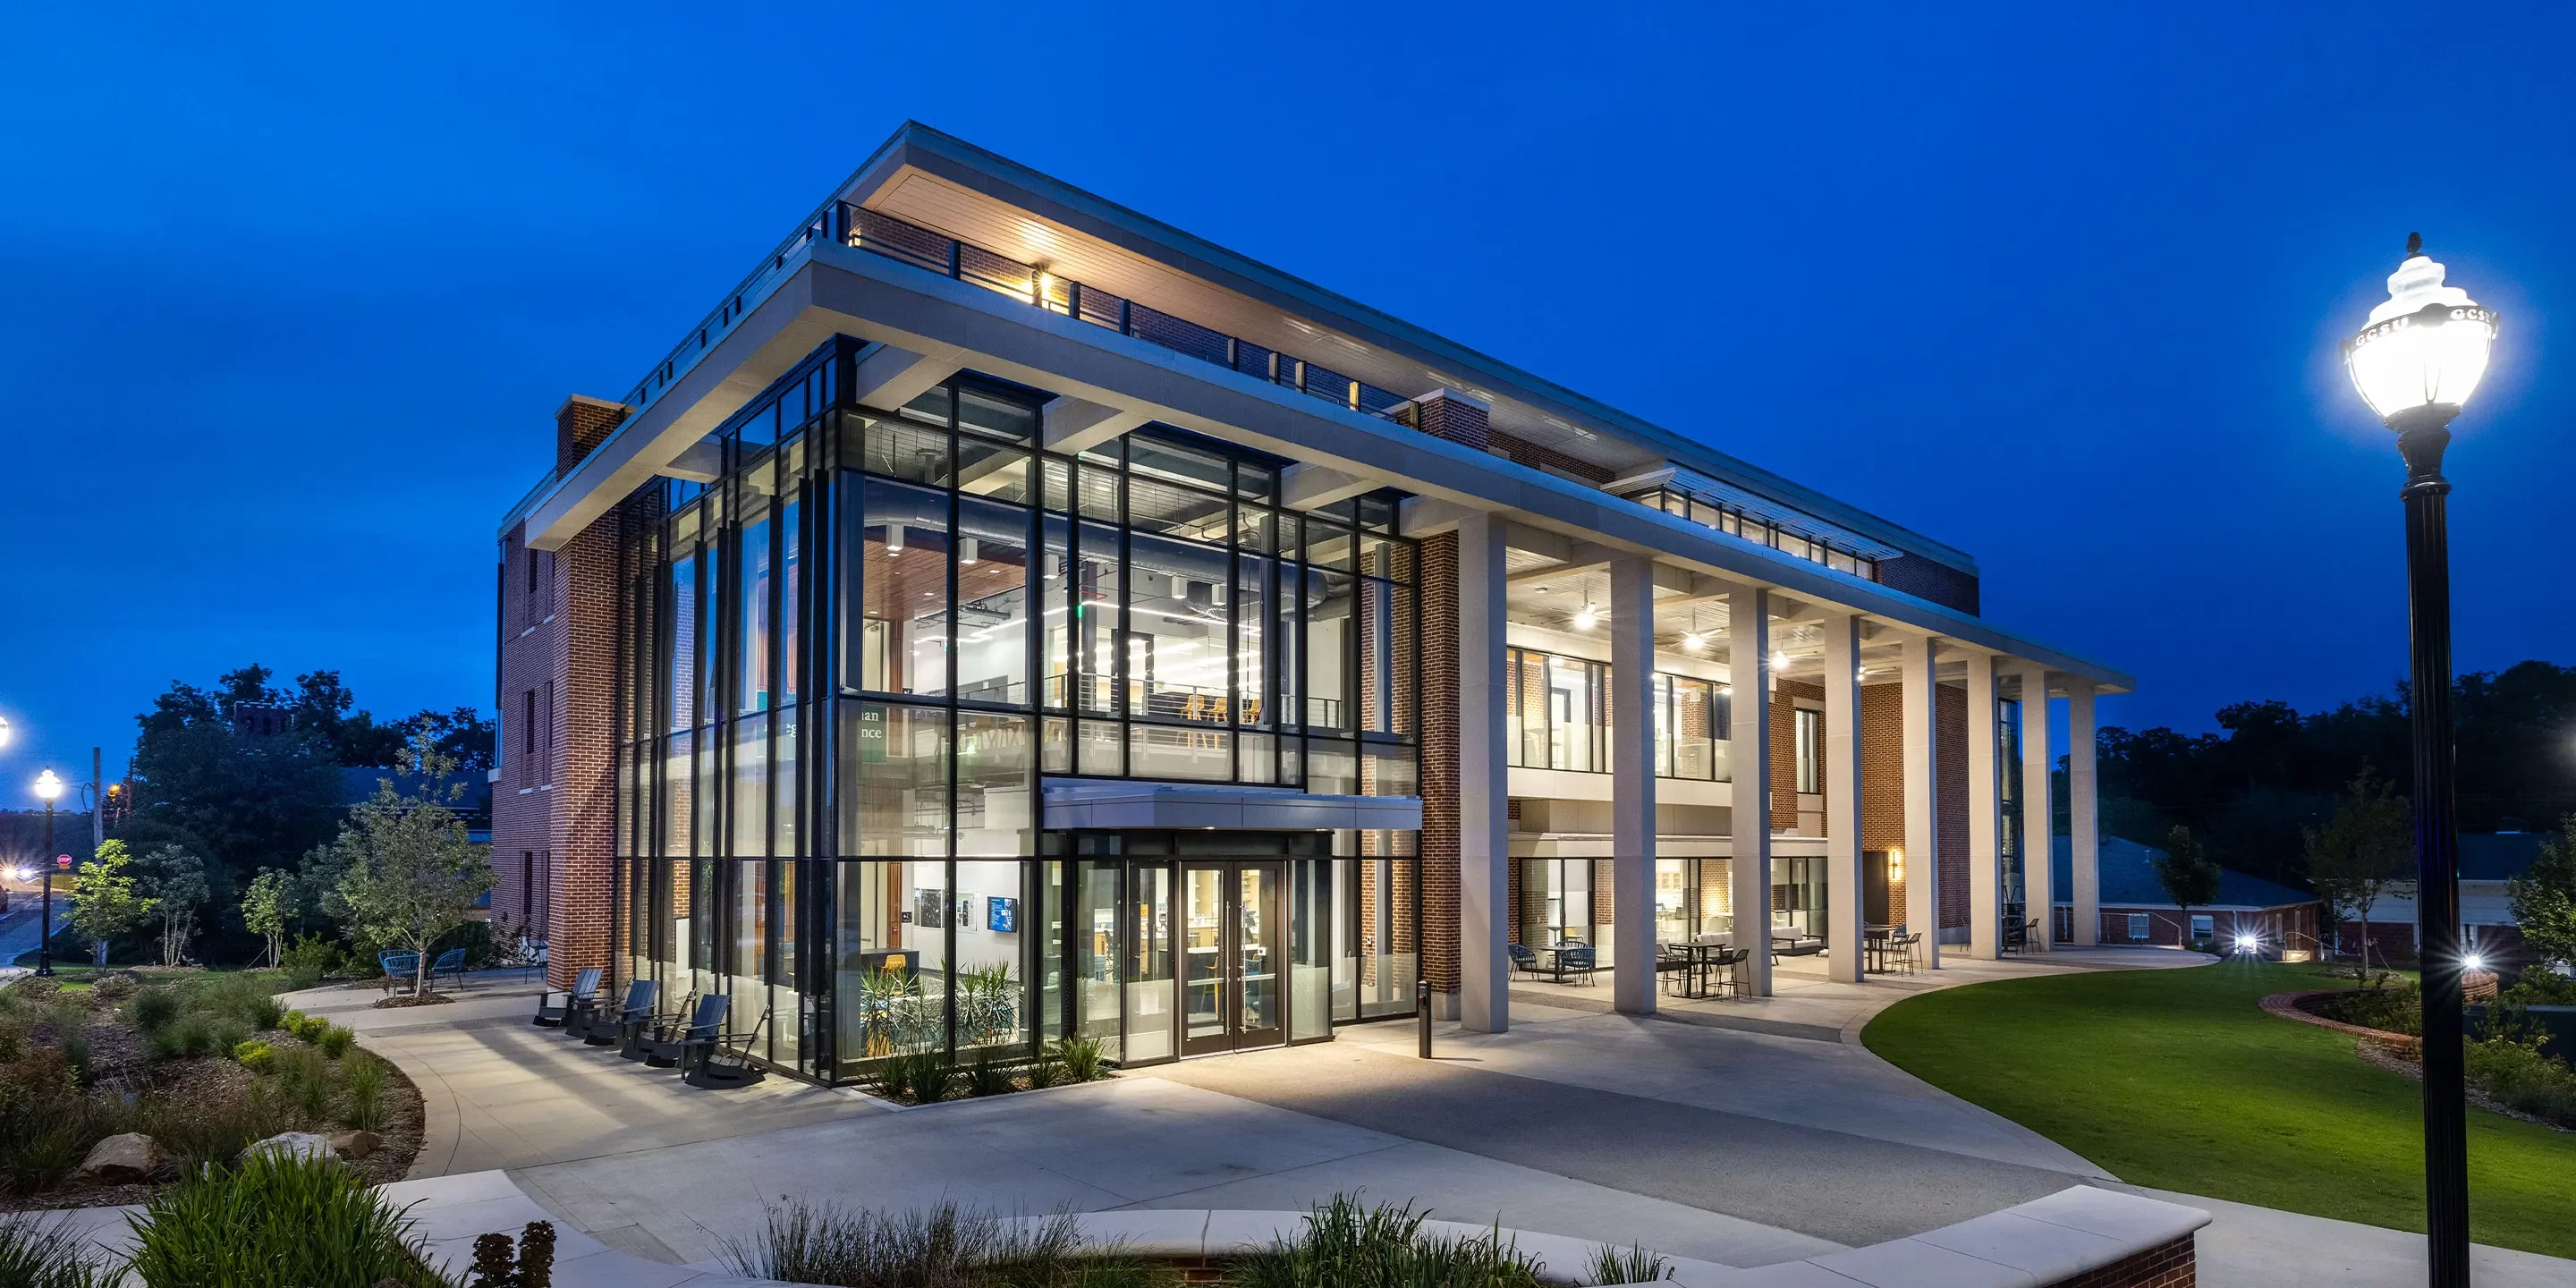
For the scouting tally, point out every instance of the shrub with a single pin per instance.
(1081, 1058)
(335, 1041)
(208, 1130)
(152, 1010)
(46, 1125)
(1345, 1245)
(225, 1033)
(989, 1076)
(304, 1081)
(309, 1222)
(2515, 1071)
(182, 1038)
(923, 1076)
(115, 986)
(255, 1055)
(44, 1251)
(1045, 1071)
(362, 1092)
(307, 960)
(941, 1245)
(1632, 1265)
(2390, 1008)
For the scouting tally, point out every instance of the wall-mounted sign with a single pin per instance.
(1002, 915)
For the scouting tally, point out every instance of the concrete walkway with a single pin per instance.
(1727, 1142)
(500, 1092)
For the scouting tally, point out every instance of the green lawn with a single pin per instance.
(2174, 1079)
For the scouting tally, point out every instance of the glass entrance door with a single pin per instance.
(1232, 949)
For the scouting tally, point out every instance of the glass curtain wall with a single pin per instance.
(1556, 716)
(850, 658)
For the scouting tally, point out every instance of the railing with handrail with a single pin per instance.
(864, 229)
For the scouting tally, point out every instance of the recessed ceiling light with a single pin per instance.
(1779, 660)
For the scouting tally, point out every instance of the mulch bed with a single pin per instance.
(117, 1055)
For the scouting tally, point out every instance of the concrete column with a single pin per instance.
(2084, 814)
(1985, 811)
(1748, 642)
(2038, 819)
(1921, 704)
(1632, 783)
(1844, 904)
(1484, 784)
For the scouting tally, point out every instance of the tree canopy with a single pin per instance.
(2544, 897)
(2271, 774)
(246, 774)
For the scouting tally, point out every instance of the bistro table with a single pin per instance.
(1875, 942)
(1703, 956)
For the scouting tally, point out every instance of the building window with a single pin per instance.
(1556, 716)
(2138, 926)
(1810, 725)
(2202, 925)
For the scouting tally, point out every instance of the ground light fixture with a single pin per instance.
(2416, 362)
(49, 788)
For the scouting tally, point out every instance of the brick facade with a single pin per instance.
(2167, 1265)
(1950, 766)
(553, 807)
(1439, 844)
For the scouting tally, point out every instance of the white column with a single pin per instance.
(2038, 820)
(1748, 644)
(1921, 703)
(1632, 783)
(1985, 811)
(2084, 814)
(1844, 904)
(1484, 783)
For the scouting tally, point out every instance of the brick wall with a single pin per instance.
(1533, 455)
(1950, 762)
(553, 809)
(1456, 419)
(2167, 1265)
(1439, 845)
(1784, 749)
(1928, 579)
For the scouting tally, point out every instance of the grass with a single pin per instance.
(2176, 1079)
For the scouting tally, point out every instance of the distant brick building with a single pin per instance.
(2136, 909)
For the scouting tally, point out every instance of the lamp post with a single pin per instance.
(49, 788)
(2416, 364)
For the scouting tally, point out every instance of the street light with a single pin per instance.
(2416, 364)
(49, 788)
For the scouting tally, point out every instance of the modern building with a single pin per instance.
(1006, 616)
(2133, 907)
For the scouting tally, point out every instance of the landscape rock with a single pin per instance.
(292, 1144)
(123, 1159)
(355, 1145)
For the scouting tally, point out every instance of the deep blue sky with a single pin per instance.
(287, 300)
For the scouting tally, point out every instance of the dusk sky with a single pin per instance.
(288, 300)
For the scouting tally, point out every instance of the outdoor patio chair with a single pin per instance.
(584, 994)
(1723, 967)
(1524, 960)
(1574, 961)
(1673, 968)
(722, 1067)
(1902, 950)
(399, 965)
(685, 1046)
(618, 1027)
(451, 964)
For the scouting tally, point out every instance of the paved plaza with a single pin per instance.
(1743, 1132)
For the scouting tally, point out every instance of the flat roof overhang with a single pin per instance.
(837, 290)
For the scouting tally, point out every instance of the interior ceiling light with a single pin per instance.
(969, 551)
(1583, 620)
(1779, 660)
(1694, 641)
(894, 539)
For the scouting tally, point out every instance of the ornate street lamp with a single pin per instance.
(49, 788)
(2416, 364)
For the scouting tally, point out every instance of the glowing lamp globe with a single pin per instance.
(49, 787)
(2425, 347)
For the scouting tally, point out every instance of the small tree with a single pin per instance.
(267, 906)
(176, 880)
(408, 875)
(104, 902)
(2360, 852)
(2187, 874)
(2544, 897)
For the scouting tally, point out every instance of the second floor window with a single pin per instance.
(1811, 751)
